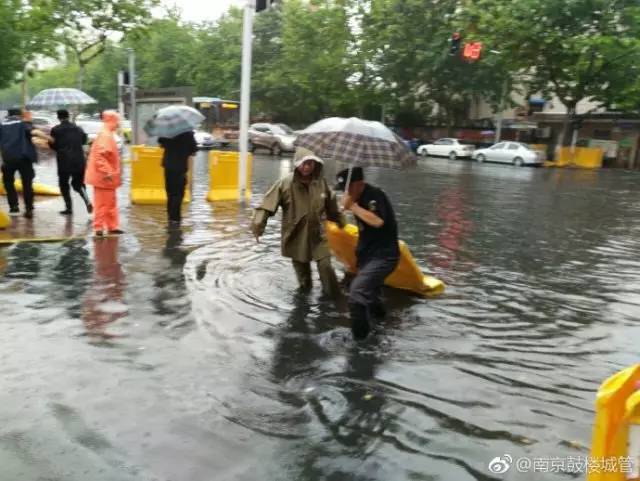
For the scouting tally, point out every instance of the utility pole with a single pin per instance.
(121, 93)
(503, 97)
(133, 115)
(245, 95)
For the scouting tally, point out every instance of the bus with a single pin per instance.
(221, 118)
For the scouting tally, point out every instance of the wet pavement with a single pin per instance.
(190, 356)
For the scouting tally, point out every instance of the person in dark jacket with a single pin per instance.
(377, 251)
(67, 142)
(18, 155)
(175, 161)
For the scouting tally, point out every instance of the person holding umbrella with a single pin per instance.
(305, 199)
(360, 143)
(175, 160)
(103, 172)
(174, 128)
(67, 141)
(377, 251)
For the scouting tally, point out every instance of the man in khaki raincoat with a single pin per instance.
(305, 199)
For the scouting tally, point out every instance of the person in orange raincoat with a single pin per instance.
(103, 173)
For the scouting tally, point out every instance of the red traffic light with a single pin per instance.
(472, 51)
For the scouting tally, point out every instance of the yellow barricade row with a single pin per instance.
(224, 178)
(583, 157)
(147, 177)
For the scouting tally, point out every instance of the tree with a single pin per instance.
(83, 26)
(578, 50)
(407, 60)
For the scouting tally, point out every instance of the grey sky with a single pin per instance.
(197, 10)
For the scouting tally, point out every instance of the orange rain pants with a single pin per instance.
(105, 209)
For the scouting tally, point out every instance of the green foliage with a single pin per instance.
(350, 57)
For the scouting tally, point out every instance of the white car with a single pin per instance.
(204, 139)
(515, 153)
(92, 128)
(451, 148)
(276, 138)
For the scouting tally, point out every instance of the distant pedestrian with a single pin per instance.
(104, 173)
(18, 155)
(67, 142)
(175, 160)
(377, 251)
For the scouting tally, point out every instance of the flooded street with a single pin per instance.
(192, 357)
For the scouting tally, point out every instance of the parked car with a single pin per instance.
(43, 123)
(452, 148)
(93, 128)
(515, 153)
(276, 138)
(204, 139)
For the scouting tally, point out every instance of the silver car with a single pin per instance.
(515, 153)
(93, 128)
(276, 138)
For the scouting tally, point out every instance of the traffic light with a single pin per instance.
(472, 51)
(264, 4)
(456, 39)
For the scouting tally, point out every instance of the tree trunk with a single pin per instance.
(23, 94)
(80, 74)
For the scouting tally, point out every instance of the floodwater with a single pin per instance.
(190, 356)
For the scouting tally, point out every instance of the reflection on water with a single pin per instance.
(217, 367)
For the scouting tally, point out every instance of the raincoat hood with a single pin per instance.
(303, 154)
(111, 120)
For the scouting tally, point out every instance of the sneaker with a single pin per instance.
(14, 211)
(66, 212)
(99, 233)
(28, 214)
(116, 232)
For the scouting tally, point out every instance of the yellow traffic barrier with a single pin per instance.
(147, 176)
(38, 188)
(5, 220)
(224, 176)
(581, 157)
(617, 408)
(406, 276)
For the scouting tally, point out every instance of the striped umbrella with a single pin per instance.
(61, 97)
(356, 142)
(172, 121)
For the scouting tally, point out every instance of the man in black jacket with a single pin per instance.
(18, 155)
(67, 141)
(175, 161)
(377, 251)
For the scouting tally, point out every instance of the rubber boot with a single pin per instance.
(359, 321)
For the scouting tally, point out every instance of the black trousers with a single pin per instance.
(175, 183)
(25, 168)
(364, 292)
(77, 182)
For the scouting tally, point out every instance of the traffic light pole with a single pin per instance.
(133, 115)
(245, 95)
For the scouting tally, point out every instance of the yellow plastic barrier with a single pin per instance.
(224, 176)
(5, 220)
(582, 157)
(147, 176)
(38, 189)
(407, 275)
(617, 403)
